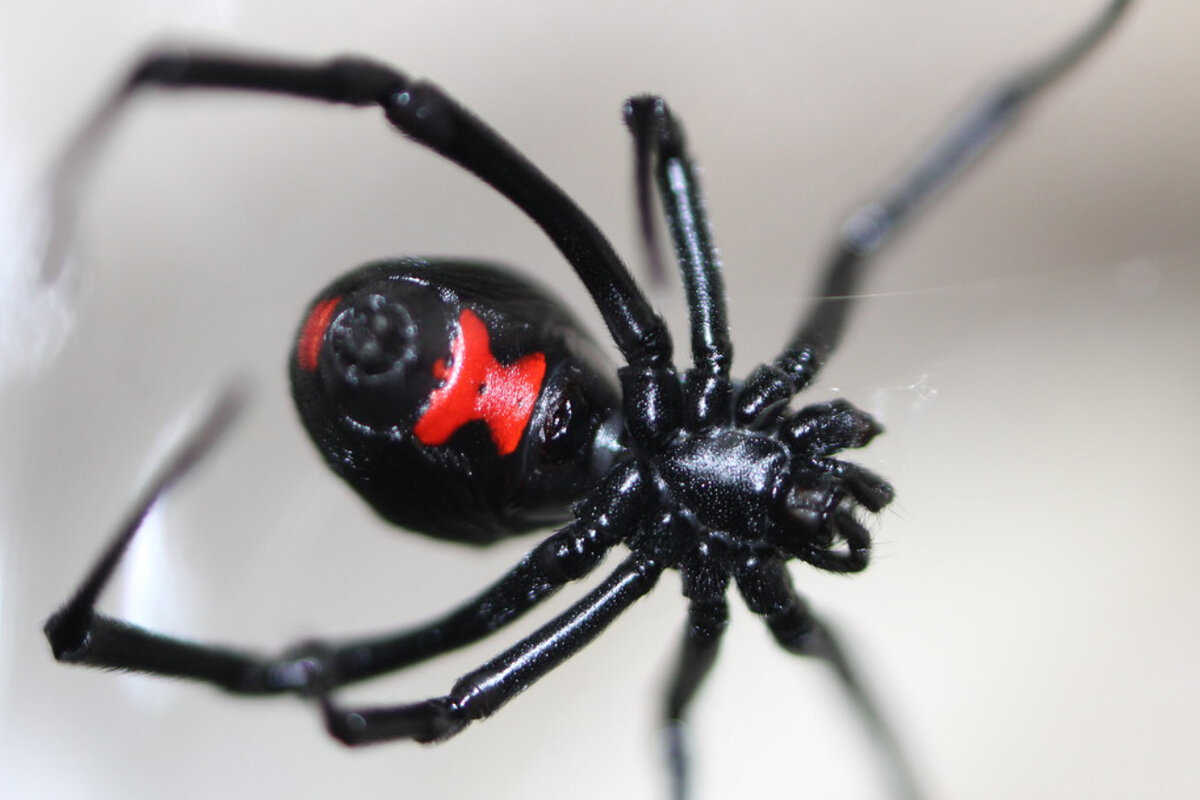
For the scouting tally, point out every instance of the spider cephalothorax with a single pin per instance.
(466, 403)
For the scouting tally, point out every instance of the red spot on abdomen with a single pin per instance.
(475, 386)
(308, 348)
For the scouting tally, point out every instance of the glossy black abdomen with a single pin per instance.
(460, 400)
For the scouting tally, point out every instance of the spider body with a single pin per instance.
(464, 402)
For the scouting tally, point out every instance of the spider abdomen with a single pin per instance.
(459, 399)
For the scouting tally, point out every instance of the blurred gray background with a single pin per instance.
(1031, 616)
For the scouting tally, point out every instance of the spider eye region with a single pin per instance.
(475, 386)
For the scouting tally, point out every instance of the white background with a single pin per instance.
(1031, 616)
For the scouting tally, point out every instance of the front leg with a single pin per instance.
(423, 113)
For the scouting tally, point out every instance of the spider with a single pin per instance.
(463, 402)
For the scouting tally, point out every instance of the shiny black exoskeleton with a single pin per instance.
(464, 402)
(363, 372)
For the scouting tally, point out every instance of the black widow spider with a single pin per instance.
(463, 402)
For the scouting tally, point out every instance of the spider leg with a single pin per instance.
(767, 589)
(642, 126)
(960, 143)
(480, 693)
(424, 113)
(79, 634)
(612, 510)
(706, 625)
(658, 138)
(99, 640)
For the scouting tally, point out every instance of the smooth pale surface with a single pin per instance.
(1031, 616)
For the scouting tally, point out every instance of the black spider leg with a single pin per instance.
(74, 620)
(480, 693)
(79, 634)
(767, 589)
(959, 144)
(658, 133)
(660, 146)
(424, 113)
(642, 124)
(708, 617)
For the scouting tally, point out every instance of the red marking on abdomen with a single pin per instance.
(308, 348)
(476, 386)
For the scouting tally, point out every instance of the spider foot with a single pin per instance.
(678, 757)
